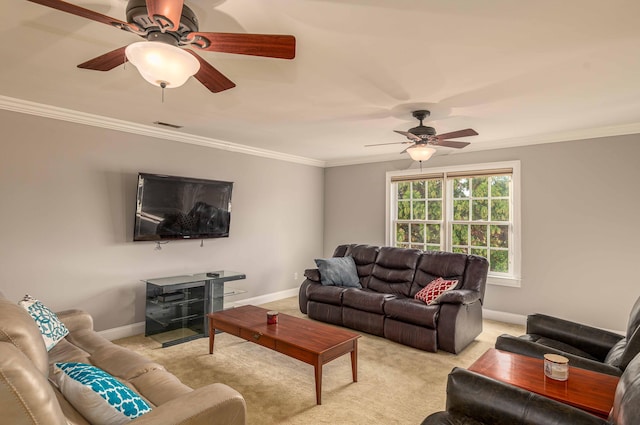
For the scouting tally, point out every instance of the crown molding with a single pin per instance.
(69, 115)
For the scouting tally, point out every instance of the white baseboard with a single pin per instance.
(123, 331)
(262, 299)
(501, 316)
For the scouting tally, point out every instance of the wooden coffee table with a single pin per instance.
(308, 341)
(586, 390)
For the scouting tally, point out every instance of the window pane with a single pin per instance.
(433, 247)
(499, 261)
(500, 209)
(402, 232)
(418, 189)
(417, 233)
(404, 190)
(480, 210)
(460, 234)
(479, 235)
(480, 252)
(500, 185)
(461, 210)
(417, 246)
(435, 189)
(404, 210)
(480, 187)
(433, 233)
(461, 250)
(435, 210)
(419, 212)
(499, 236)
(461, 188)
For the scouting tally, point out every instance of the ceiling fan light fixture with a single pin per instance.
(162, 64)
(420, 152)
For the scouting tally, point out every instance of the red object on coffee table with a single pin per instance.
(308, 341)
(585, 389)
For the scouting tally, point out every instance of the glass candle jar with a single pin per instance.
(556, 367)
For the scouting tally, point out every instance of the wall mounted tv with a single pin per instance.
(170, 207)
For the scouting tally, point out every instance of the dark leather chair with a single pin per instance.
(474, 399)
(585, 347)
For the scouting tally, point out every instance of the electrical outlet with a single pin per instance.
(295, 276)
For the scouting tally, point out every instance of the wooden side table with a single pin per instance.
(585, 389)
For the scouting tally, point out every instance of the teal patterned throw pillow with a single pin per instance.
(51, 328)
(98, 396)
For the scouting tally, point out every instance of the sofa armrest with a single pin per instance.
(76, 320)
(312, 274)
(213, 404)
(488, 401)
(594, 341)
(532, 349)
(459, 296)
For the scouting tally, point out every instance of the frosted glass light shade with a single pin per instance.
(420, 152)
(160, 63)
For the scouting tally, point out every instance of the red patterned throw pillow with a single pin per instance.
(430, 293)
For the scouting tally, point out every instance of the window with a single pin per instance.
(472, 209)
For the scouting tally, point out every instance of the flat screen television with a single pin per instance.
(171, 207)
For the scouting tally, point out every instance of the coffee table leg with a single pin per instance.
(354, 361)
(318, 369)
(212, 334)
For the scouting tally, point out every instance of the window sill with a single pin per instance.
(513, 282)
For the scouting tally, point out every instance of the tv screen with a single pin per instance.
(170, 207)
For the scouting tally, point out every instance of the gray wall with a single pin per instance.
(66, 218)
(580, 229)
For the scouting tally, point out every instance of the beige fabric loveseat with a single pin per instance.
(28, 397)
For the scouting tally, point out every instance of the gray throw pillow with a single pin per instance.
(338, 271)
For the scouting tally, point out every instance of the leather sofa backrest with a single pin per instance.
(25, 394)
(18, 328)
(341, 250)
(432, 265)
(634, 319)
(626, 402)
(475, 274)
(632, 340)
(365, 258)
(394, 270)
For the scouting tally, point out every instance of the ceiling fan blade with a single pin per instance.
(267, 45)
(451, 144)
(166, 13)
(408, 135)
(455, 134)
(393, 143)
(106, 62)
(86, 13)
(210, 77)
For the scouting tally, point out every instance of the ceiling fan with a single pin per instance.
(424, 138)
(169, 25)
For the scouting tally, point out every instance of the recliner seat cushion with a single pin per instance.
(325, 294)
(365, 300)
(412, 311)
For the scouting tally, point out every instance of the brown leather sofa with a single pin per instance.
(390, 277)
(27, 397)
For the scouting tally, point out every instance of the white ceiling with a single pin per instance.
(518, 72)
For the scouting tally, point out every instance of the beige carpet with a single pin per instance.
(396, 384)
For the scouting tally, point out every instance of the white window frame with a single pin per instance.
(514, 278)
